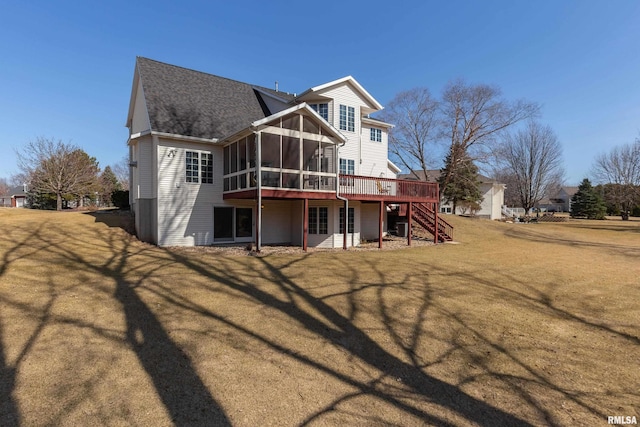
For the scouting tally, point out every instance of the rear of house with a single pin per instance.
(215, 160)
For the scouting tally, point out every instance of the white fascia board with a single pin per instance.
(393, 166)
(182, 137)
(351, 80)
(377, 122)
(132, 98)
(139, 134)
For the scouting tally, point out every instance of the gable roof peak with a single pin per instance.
(347, 79)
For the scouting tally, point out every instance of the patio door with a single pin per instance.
(232, 224)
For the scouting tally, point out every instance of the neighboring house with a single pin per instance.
(560, 202)
(492, 194)
(15, 198)
(214, 160)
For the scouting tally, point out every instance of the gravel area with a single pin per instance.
(388, 243)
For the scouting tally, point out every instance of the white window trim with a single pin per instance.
(199, 166)
(375, 134)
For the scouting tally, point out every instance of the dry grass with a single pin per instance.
(515, 325)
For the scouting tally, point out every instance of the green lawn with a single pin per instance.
(516, 324)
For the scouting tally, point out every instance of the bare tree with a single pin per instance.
(621, 168)
(415, 116)
(57, 168)
(4, 186)
(532, 157)
(121, 170)
(474, 115)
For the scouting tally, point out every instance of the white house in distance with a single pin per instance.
(492, 194)
(217, 161)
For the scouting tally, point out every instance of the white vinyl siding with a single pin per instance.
(357, 146)
(374, 154)
(277, 217)
(144, 169)
(185, 210)
(140, 119)
(369, 220)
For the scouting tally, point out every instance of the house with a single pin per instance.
(560, 202)
(218, 161)
(492, 194)
(15, 198)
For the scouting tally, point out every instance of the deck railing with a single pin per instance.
(388, 189)
(354, 187)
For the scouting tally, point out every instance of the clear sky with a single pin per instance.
(66, 67)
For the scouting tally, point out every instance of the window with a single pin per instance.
(347, 167)
(347, 118)
(318, 220)
(206, 168)
(322, 109)
(192, 166)
(350, 220)
(199, 167)
(376, 135)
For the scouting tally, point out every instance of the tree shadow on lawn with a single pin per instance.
(343, 334)
(130, 266)
(537, 237)
(184, 395)
(409, 370)
(22, 246)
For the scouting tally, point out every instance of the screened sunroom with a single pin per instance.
(290, 153)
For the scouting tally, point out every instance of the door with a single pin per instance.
(232, 224)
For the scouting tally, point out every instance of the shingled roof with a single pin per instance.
(433, 175)
(192, 103)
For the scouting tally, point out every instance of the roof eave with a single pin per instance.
(377, 106)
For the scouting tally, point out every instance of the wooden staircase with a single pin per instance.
(424, 215)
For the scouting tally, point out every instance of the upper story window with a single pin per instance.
(376, 135)
(199, 167)
(322, 109)
(347, 118)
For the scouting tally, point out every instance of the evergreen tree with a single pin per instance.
(108, 184)
(458, 180)
(587, 202)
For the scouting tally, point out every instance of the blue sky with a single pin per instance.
(66, 67)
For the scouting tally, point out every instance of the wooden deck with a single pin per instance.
(354, 187)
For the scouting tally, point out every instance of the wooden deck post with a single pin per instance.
(409, 213)
(380, 220)
(305, 225)
(435, 223)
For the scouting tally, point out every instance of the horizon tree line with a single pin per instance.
(57, 173)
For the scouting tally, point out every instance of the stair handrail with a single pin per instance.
(445, 230)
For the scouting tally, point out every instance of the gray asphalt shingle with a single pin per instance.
(192, 103)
